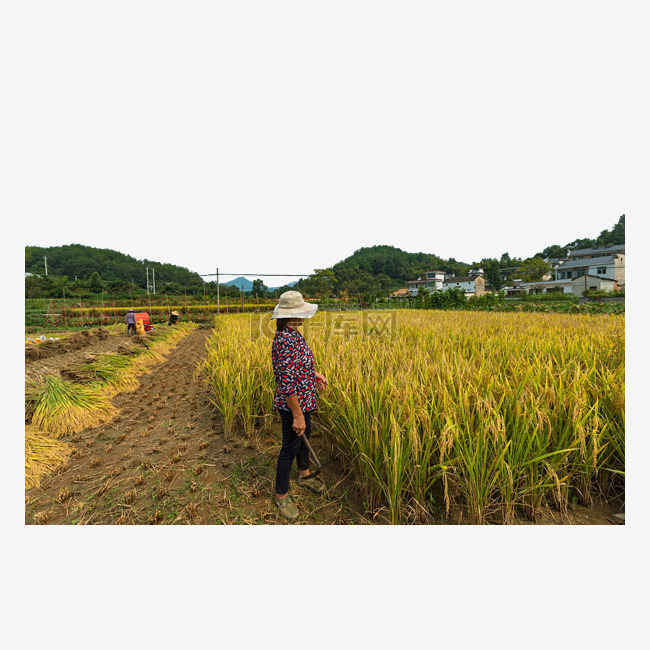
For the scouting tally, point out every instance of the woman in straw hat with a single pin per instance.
(173, 318)
(295, 397)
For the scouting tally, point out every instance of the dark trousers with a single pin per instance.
(130, 327)
(292, 447)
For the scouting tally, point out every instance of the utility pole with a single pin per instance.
(217, 290)
(45, 258)
(154, 279)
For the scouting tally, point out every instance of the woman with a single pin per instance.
(295, 397)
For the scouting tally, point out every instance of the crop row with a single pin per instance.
(497, 413)
(60, 407)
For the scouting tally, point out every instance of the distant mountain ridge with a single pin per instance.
(248, 284)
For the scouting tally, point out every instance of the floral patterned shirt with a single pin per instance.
(293, 369)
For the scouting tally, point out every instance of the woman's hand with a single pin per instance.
(299, 424)
(321, 381)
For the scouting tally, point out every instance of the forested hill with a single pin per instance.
(400, 265)
(81, 262)
(395, 263)
(373, 269)
(612, 237)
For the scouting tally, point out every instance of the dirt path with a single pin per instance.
(80, 348)
(164, 460)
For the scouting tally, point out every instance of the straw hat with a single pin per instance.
(175, 313)
(292, 305)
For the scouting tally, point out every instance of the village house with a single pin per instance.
(607, 262)
(600, 269)
(432, 282)
(472, 285)
(588, 282)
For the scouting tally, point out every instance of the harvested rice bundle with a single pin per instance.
(42, 455)
(113, 373)
(60, 407)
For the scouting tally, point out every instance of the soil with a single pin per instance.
(54, 357)
(165, 460)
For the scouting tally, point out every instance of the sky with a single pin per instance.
(283, 139)
(280, 137)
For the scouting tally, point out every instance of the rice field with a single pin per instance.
(500, 414)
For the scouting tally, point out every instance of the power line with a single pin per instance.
(270, 275)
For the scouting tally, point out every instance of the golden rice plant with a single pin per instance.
(497, 413)
(241, 393)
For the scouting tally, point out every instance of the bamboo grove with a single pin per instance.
(499, 414)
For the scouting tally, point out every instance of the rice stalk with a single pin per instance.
(60, 408)
(43, 454)
(507, 411)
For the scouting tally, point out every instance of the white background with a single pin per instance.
(279, 137)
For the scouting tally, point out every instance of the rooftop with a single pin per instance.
(571, 264)
(546, 283)
(595, 251)
(423, 280)
(464, 278)
(597, 277)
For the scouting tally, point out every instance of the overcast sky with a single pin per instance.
(280, 137)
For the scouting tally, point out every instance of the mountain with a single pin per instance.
(248, 284)
(239, 282)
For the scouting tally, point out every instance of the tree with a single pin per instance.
(553, 251)
(95, 282)
(492, 273)
(618, 232)
(533, 269)
(322, 281)
(615, 237)
(259, 289)
(276, 293)
(505, 260)
(117, 286)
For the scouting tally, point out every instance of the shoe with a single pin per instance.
(288, 508)
(314, 484)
